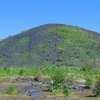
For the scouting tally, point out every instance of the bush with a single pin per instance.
(97, 90)
(89, 81)
(57, 82)
(66, 90)
(58, 77)
(70, 80)
(87, 68)
(21, 72)
(11, 90)
(54, 88)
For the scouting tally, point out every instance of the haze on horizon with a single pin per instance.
(19, 15)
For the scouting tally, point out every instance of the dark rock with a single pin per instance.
(87, 87)
(33, 84)
(37, 79)
(33, 91)
(81, 88)
(75, 87)
(78, 87)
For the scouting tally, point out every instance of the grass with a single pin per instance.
(69, 74)
(47, 72)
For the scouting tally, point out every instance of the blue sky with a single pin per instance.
(19, 15)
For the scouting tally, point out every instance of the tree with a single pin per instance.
(57, 83)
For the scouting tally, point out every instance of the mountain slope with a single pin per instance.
(51, 44)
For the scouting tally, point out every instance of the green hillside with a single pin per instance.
(51, 45)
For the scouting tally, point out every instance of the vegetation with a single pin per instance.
(66, 90)
(89, 81)
(11, 90)
(57, 82)
(87, 68)
(2, 44)
(70, 80)
(48, 71)
(21, 72)
(97, 90)
(22, 41)
(61, 78)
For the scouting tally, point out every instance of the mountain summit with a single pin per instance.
(51, 45)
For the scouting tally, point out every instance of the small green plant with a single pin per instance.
(11, 90)
(97, 86)
(89, 81)
(66, 90)
(54, 88)
(21, 72)
(1, 90)
(58, 77)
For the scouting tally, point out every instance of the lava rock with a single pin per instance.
(33, 90)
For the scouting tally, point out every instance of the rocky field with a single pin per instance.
(29, 88)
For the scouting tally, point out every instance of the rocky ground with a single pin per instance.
(31, 89)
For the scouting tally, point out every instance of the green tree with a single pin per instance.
(57, 82)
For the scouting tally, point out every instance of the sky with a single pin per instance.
(20, 15)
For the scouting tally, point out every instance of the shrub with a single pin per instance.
(11, 90)
(97, 90)
(87, 68)
(89, 81)
(21, 72)
(54, 88)
(66, 90)
(1, 90)
(57, 82)
(70, 80)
